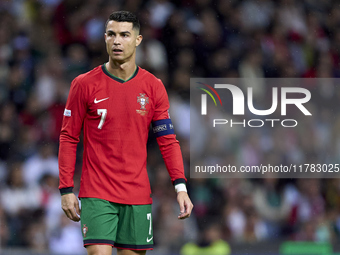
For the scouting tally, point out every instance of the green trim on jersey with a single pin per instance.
(119, 225)
(117, 78)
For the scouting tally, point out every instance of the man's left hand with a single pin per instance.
(185, 205)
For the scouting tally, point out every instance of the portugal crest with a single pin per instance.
(142, 100)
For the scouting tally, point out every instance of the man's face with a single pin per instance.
(121, 40)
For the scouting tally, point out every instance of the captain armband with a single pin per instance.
(162, 127)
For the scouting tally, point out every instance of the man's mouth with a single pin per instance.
(117, 50)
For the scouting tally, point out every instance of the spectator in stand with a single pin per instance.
(43, 162)
(271, 204)
(210, 243)
(18, 201)
(66, 237)
(4, 230)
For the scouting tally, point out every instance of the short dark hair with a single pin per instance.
(124, 16)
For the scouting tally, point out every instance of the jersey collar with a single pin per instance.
(115, 77)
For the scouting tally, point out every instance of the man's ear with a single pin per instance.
(139, 39)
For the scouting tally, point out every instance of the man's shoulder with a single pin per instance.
(90, 75)
(144, 74)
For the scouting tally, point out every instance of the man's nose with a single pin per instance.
(116, 40)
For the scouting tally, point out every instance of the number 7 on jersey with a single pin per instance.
(103, 113)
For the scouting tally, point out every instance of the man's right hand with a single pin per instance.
(70, 205)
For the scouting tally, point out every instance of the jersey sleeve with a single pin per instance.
(169, 146)
(73, 118)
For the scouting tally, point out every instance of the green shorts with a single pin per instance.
(119, 225)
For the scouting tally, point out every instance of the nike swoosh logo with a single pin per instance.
(148, 240)
(98, 101)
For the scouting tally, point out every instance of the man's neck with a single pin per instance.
(121, 70)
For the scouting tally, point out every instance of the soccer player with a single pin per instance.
(115, 104)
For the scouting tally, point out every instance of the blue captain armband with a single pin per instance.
(162, 127)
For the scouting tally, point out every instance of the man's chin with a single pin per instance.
(118, 59)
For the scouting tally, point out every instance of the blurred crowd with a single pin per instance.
(44, 44)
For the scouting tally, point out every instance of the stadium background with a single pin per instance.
(44, 44)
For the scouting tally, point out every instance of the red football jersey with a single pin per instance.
(115, 116)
